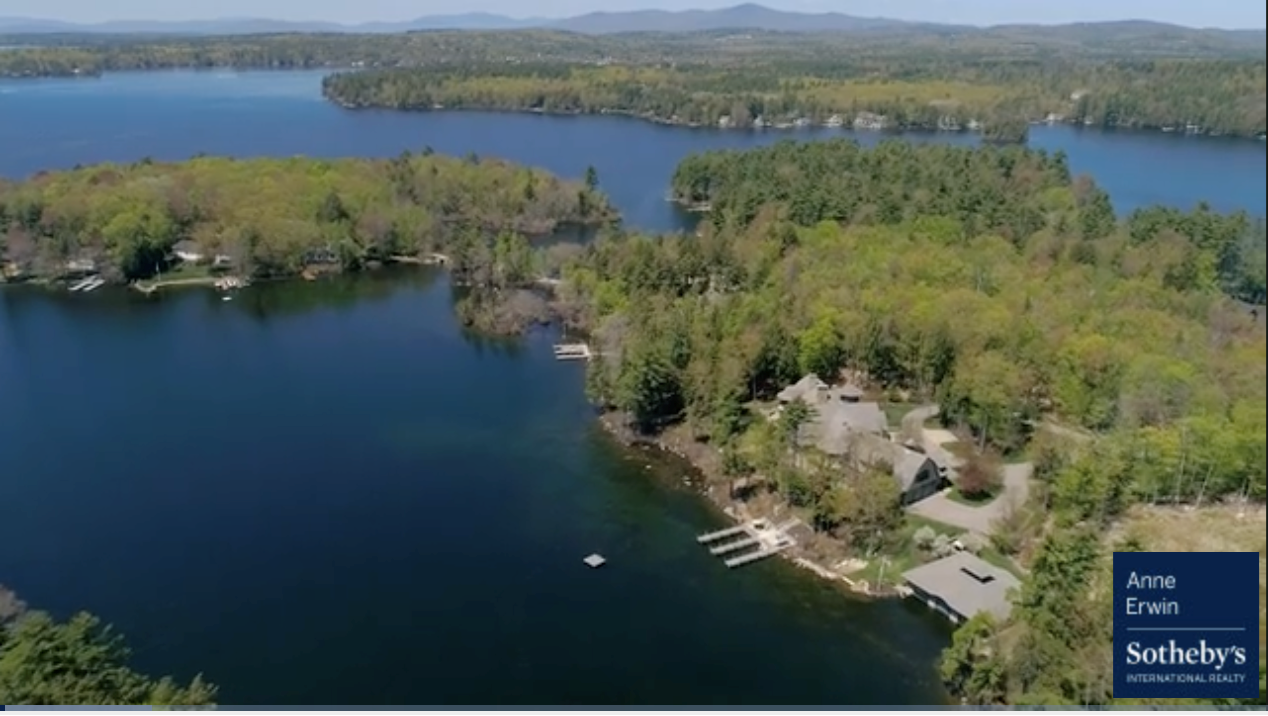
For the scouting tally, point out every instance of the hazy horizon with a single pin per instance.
(1224, 14)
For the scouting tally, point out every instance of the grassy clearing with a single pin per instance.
(992, 556)
(894, 413)
(960, 449)
(185, 271)
(887, 569)
(1208, 529)
(905, 554)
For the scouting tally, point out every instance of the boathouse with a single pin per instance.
(962, 585)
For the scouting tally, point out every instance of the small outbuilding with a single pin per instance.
(189, 252)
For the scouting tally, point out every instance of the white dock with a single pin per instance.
(720, 534)
(572, 351)
(744, 559)
(760, 537)
(91, 283)
(733, 546)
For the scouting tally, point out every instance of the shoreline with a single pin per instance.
(613, 422)
(153, 285)
(793, 128)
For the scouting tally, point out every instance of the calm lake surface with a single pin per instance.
(328, 494)
(57, 123)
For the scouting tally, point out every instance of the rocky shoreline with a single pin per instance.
(706, 460)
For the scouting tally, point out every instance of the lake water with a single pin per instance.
(328, 494)
(57, 123)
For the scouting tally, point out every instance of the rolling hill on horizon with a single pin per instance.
(748, 16)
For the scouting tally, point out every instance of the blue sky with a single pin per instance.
(1203, 13)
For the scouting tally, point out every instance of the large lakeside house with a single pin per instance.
(854, 431)
(844, 426)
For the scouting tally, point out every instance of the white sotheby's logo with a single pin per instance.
(1172, 654)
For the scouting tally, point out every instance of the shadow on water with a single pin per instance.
(275, 299)
(483, 344)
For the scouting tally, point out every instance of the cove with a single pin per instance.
(326, 493)
(57, 123)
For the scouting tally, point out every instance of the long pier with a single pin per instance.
(758, 539)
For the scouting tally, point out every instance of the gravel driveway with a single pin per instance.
(941, 508)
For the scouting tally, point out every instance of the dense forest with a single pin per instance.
(276, 217)
(1010, 195)
(987, 281)
(1001, 77)
(79, 662)
(1208, 96)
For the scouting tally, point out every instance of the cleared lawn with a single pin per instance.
(960, 449)
(184, 271)
(907, 555)
(894, 413)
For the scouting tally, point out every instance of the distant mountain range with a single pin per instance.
(741, 17)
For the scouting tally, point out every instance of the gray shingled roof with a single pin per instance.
(967, 584)
(805, 389)
(839, 440)
(859, 417)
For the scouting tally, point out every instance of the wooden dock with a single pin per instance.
(758, 539)
(572, 351)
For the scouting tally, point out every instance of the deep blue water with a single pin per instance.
(57, 123)
(327, 493)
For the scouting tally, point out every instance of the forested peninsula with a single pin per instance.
(999, 97)
(1106, 354)
(272, 218)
